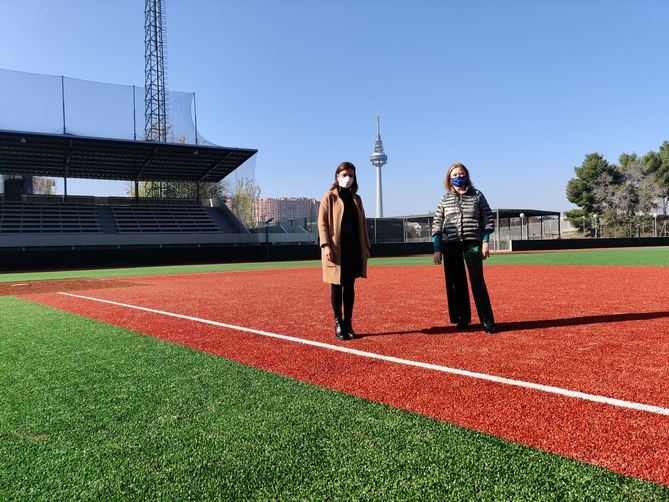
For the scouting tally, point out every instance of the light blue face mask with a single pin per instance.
(460, 182)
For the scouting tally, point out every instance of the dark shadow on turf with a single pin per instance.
(535, 324)
(583, 320)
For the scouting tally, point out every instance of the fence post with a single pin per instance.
(134, 116)
(195, 114)
(541, 222)
(62, 95)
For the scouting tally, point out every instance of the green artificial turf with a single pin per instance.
(657, 257)
(90, 411)
(636, 257)
(146, 271)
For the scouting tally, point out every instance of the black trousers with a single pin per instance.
(351, 265)
(346, 292)
(456, 255)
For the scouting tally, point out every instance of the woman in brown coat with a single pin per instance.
(342, 232)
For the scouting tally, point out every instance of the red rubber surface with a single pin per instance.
(600, 330)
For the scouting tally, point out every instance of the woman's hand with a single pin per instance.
(437, 257)
(485, 250)
(327, 253)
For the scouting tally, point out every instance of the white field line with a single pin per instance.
(407, 362)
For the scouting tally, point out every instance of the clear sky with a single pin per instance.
(517, 90)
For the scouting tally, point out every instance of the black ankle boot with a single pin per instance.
(462, 325)
(349, 329)
(341, 332)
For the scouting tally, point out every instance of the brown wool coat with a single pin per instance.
(330, 214)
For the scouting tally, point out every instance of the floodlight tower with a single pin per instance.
(155, 115)
(378, 160)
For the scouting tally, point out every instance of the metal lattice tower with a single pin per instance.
(378, 160)
(155, 111)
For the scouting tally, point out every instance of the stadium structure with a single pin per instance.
(64, 128)
(70, 128)
(90, 227)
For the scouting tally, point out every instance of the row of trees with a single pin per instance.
(621, 195)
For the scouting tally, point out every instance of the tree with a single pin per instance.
(245, 193)
(657, 163)
(629, 194)
(44, 186)
(590, 175)
(178, 189)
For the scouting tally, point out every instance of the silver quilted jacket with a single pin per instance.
(463, 217)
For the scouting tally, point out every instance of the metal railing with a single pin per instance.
(419, 229)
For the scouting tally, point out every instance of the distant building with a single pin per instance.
(284, 209)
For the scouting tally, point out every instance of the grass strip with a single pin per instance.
(635, 257)
(92, 411)
(149, 271)
(649, 257)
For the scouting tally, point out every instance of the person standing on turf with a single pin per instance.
(462, 226)
(342, 233)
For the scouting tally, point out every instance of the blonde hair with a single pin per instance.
(447, 182)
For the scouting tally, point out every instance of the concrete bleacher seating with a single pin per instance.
(163, 218)
(19, 217)
(127, 217)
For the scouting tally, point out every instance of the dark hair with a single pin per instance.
(341, 167)
(447, 181)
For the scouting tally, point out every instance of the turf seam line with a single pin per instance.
(620, 403)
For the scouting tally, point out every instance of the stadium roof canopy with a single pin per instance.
(66, 156)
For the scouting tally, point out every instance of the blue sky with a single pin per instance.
(519, 91)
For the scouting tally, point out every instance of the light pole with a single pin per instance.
(267, 222)
(522, 224)
(595, 225)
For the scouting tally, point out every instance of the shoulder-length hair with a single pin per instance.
(447, 182)
(341, 167)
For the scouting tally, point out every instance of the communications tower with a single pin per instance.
(378, 160)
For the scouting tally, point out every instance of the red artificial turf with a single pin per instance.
(49, 286)
(600, 330)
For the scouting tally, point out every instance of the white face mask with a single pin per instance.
(345, 181)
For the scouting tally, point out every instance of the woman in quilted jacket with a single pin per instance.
(462, 226)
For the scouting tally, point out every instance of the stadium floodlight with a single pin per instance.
(155, 91)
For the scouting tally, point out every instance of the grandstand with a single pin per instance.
(78, 222)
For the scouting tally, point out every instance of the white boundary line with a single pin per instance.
(658, 410)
